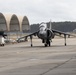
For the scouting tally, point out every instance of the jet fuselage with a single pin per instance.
(44, 32)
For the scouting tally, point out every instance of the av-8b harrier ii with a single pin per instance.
(46, 34)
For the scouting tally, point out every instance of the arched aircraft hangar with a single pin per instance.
(25, 23)
(12, 22)
(3, 23)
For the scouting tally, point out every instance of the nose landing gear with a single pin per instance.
(47, 43)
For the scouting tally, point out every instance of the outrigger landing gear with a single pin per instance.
(31, 45)
(47, 43)
(65, 40)
(31, 41)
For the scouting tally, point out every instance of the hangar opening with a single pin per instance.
(14, 24)
(3, 24)
(25, 24)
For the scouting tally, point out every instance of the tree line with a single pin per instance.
(66, 26)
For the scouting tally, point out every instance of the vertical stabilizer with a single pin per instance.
(50, 25)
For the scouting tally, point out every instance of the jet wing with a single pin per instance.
(29, 35)
(59, 33)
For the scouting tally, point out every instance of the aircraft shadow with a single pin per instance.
(42, 46)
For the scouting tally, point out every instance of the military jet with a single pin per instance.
(46, 34)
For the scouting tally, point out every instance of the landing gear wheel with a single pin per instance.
(49, 43)
(45, 45)
(3, 45)
(31, 45)
(65, 44)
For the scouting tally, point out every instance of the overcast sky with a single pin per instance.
(39, 11)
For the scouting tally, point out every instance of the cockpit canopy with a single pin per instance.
(43, 26)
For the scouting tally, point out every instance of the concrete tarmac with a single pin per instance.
(21, 59)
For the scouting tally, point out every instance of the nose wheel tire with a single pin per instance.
(45, 45)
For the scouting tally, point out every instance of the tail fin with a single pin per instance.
(49, 26)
